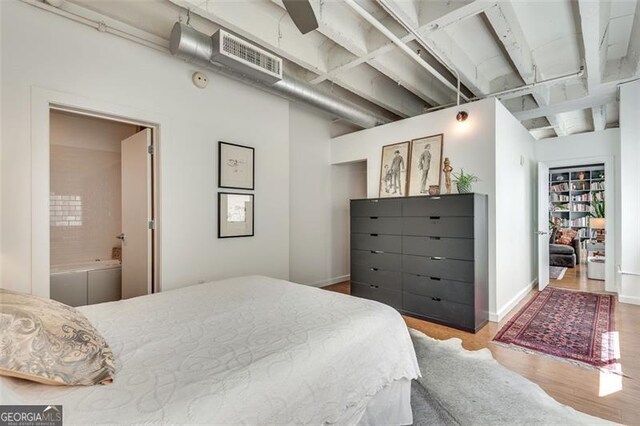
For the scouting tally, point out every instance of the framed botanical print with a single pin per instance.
(235, 215)
(425, 164)
(236, 166)
(393, 170)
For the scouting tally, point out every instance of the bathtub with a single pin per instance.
(86, 283)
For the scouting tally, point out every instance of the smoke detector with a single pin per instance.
(200, 79)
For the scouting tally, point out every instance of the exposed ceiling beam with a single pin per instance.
(268, 25)
(433, 16)
(590, 24)
(339, 24)
(508, 30)
(599, 114)
(567, 106)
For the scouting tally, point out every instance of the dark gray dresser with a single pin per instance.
(425, 256)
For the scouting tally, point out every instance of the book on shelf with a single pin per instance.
(559, 197)
(580, 222)
(560, 187)
(580, 186)
(581, 208)
(581, 197)
(559, 207)
(597, 186)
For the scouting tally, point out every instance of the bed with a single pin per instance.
(251, 350)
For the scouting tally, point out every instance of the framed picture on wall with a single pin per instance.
(393, 170)
(425, 164)
(235, 215)
(236, 166)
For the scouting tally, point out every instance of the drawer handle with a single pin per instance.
(434, 217)
(434, 238)
(376, 252)
(374, 286)
(373, 269)
(436, 299)
(374, 201)
(435, 278)
(437, 258)
(373, 217)
(374, 235)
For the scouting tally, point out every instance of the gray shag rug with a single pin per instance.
(461, 387)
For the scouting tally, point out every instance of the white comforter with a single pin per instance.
(243, 350)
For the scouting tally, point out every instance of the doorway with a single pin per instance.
(101, 208)
(575, 249)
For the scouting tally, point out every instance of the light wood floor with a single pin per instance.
(607, 396)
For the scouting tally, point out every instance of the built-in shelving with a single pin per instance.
(572, 192)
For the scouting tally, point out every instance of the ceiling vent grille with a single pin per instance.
(246, 57)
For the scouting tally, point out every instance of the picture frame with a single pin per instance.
(236, 166)
(393, 170)
(425, 164)
(235, 215)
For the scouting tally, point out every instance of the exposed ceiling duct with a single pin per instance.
(194, 46)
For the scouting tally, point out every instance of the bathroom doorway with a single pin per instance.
(101, 208)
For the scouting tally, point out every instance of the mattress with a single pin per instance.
(243, 350)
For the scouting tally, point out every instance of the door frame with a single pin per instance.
(42, 102)
(610, 283)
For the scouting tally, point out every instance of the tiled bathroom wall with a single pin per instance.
(85, 188)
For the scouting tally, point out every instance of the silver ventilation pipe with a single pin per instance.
(196, 47)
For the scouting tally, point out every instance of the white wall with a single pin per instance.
(630, 192)
(588, 148)
(319, 205)
(54, 53)
(469, 145)
(516, 250)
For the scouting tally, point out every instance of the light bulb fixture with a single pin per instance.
(462, 116)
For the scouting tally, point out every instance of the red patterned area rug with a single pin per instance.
(575, 326)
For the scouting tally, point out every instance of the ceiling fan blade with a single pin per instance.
(301, 14)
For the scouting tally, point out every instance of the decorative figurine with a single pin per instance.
(447, 174)
(434, 190)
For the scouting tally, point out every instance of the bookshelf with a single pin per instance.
(572, 192)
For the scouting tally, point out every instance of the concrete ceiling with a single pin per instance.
(493, 45)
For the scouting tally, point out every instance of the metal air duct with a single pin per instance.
(196, 47)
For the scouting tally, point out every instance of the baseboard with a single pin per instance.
(330, 281)
(497, 317)
(629, 299)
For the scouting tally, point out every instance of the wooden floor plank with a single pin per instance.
(575, 386)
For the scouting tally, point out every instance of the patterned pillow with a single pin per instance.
(48, 342)
(566, 236)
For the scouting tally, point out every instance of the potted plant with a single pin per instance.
(464, 181)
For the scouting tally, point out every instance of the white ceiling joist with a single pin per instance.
(599, 114)
(567, 106)
(590, 23)
(505, 23)
(340, 25)
(433, 16)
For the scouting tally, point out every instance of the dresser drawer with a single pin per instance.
(377, 242)
(452, 291)
(376, 225)
(438, 226)
(457, 205)
(388, 261)
(390, 280)
(377, 293)
(452, 269)
(439, 309)
(376, 207)
(454, 248)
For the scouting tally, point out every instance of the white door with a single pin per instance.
(136, 213)
(543, 226)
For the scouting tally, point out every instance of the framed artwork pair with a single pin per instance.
(236, 170)
(411, 167)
